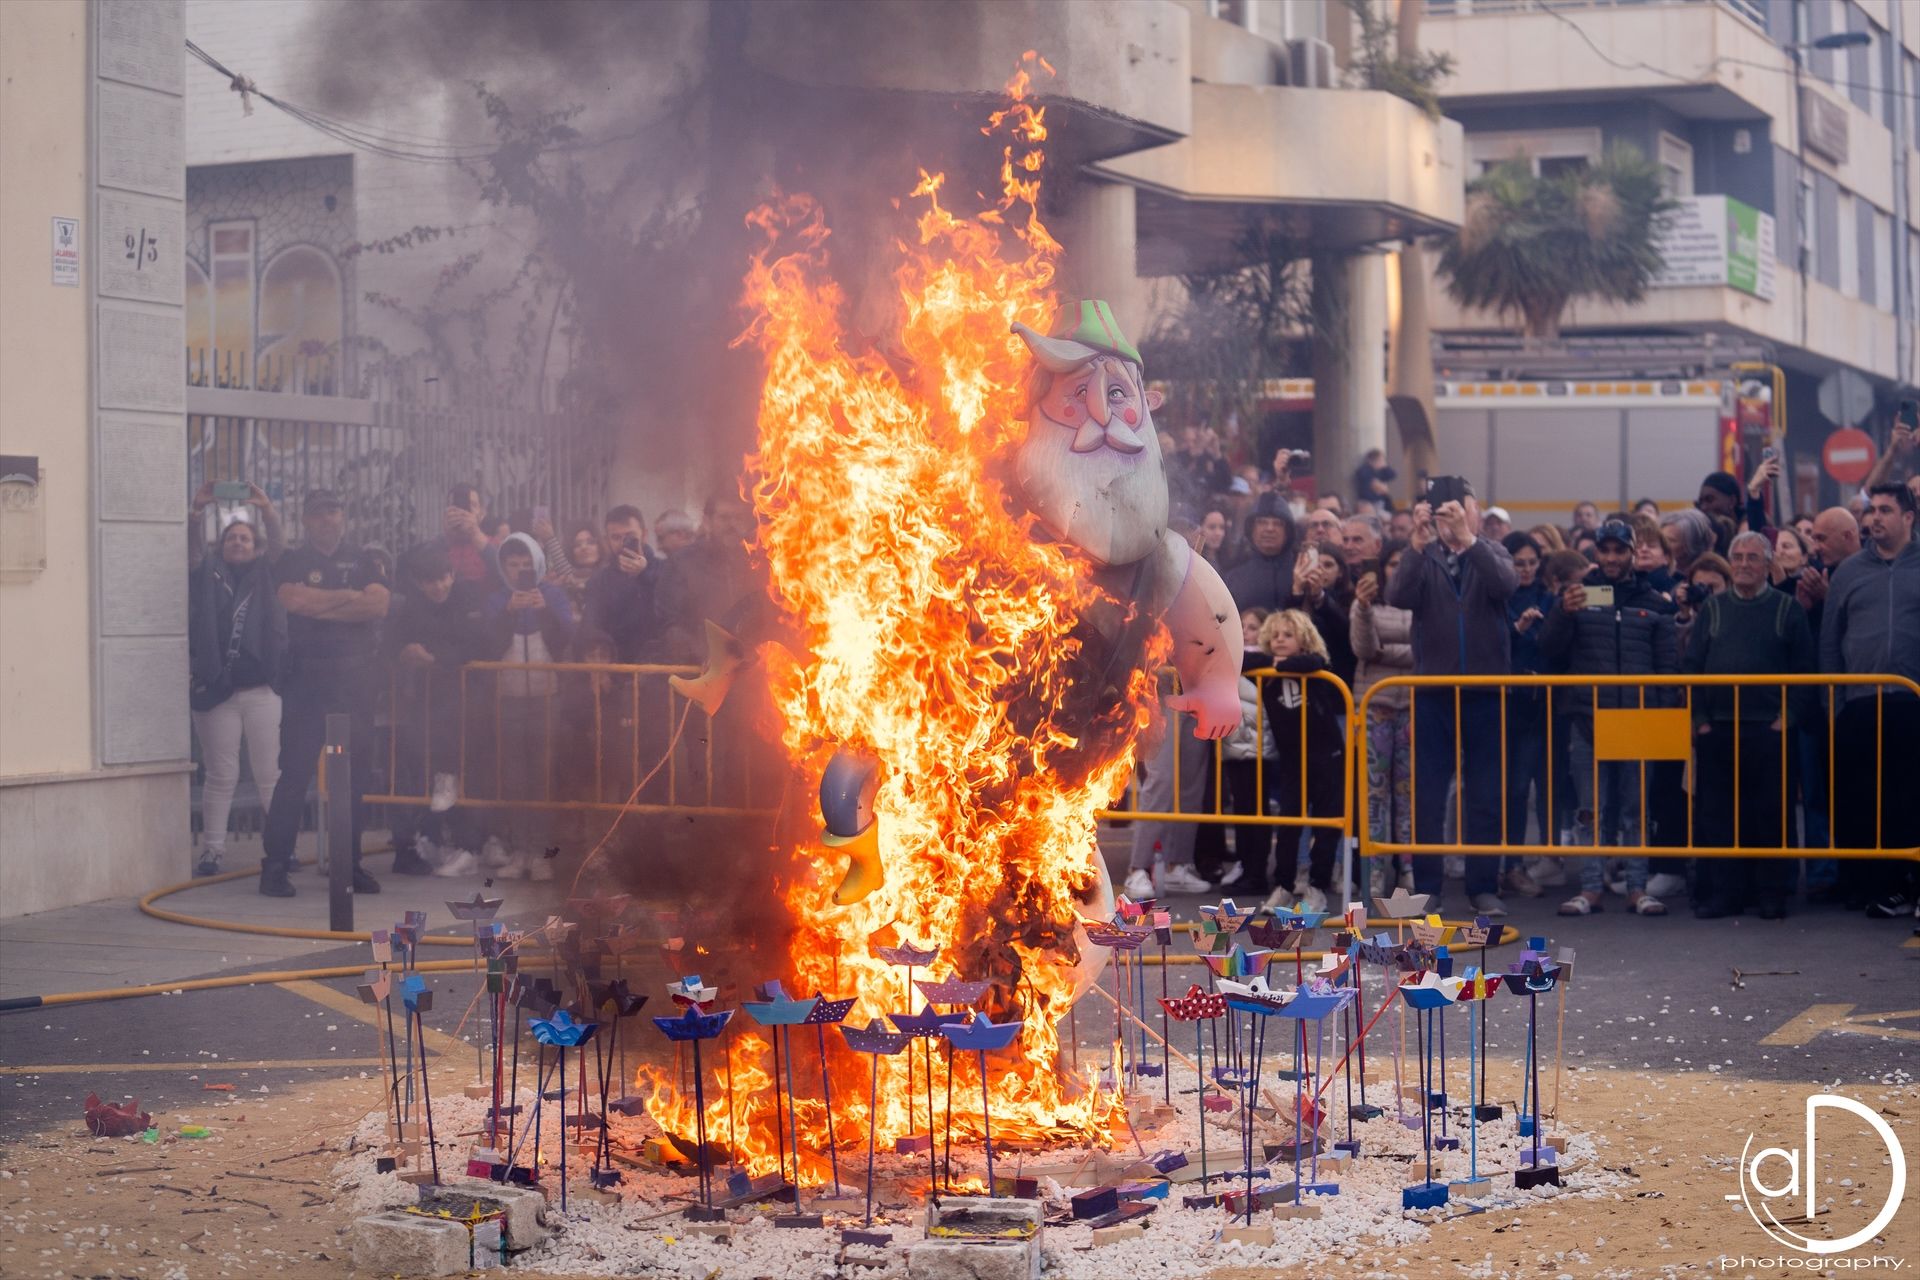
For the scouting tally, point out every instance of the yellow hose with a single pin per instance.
(270, 930)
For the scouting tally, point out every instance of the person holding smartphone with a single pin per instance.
(1610, 623)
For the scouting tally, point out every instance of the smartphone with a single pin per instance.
(527, 580)
(543, 514)
(1769, 453)
(230, 491)
(1444, 489)
(1600, 597)
(632, 544)
(1909, 415)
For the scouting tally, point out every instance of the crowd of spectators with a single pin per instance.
(1366, 589)
(282, 637)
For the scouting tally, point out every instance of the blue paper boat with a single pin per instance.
(694, 1025)
(776, 1008)
(413, 990)
(1432, 992)
(1315, 1005)
(952, 991)
(875, 1038)
(925, 1024)
(977, 1035)
(827, 1012)
(562, 1030)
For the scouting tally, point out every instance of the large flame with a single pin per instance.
(944, 638)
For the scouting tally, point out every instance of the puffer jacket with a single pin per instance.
(1383, 646)
(1634, 638)
(1239, 745)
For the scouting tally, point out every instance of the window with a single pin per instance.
(1861, 60)
(1886, 69)
(300, 306)
(199, 304)
(232, 319)
(1847, 239)
(1825, 266)
(1550, 151)
(1911, 65)
(1816, 20)
(1882, 261)
(1676, 165)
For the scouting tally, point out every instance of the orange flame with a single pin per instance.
(944, 640)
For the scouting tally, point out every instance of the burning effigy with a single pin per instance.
(965, 527)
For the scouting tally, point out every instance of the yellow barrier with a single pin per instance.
(1637, 735)
(1342, 821)
(555, 712)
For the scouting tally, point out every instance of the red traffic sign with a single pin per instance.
(1848, 455)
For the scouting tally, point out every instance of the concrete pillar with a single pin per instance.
(1098, 234)
(1349, 366)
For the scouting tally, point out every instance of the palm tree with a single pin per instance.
(1530, 245)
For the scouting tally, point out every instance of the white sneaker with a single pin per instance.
(1456, 867)
(458, 862)
(1665, 884)
(1313, 899)
(494, 854)
(1139, 885)
(539, 867)
(1182, 878)
(1377, 886)
(1488, 904)
(516, 867)
(446, 793)
(1546, 872)
(1278, 900)
(1230, 875)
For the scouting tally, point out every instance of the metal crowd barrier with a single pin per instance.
(568, 736)
(1343, 820)
(1639, 735)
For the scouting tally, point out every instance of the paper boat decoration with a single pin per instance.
(1227, 917)
(382, 946)
(1275, 935)
(115, 1119)
(1237, 963)
(1254, 995)
(925, 1024)
(475, 908)
(689, 991)
(1402, 905)
(1431, 991)
(562, 1030)
(1198, 1004)
(413, 990)
(1119, 937)
(1333, 964)
(1432, 931)
(1132, 912)
(952, 991)
(1477, 985)
(978, 1035)
(616, 994)
(776, 1008)
(827, 1012)
(875, 1038)
(1316, 1000)
(694, 1025)
(908, 955)
(377, 987)
(1475, 934)
(1356, 917)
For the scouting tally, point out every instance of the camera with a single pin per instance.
(1693, 595)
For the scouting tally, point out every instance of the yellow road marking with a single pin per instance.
(1841, 1019)
(351, 1007)
(1913, 942)
(203, 1065)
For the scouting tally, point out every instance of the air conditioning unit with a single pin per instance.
(1310, 64)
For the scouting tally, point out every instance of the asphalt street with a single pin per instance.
(1824, 995)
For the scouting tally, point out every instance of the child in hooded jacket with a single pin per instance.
(1293, 698)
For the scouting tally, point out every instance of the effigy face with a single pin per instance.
(1090, 466)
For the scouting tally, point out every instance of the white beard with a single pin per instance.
(1111, 505)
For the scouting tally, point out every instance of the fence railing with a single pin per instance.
(1652, 722)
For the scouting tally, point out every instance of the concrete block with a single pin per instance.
(407, 1244)
(1119, 1234)
(1255, 1236)
(983, 1217)
(525, 1207)
(974, 1260)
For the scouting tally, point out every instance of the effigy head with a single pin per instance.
(1090, 466)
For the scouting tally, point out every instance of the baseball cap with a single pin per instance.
(1498, 513)
(1615, 531)
(321, 500)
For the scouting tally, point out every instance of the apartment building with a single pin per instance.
(1785, 129)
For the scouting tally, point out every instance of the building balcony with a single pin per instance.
(1511, 51)
(1121, 70)
(1338, 167)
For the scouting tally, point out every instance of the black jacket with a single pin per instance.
(1322, 705)
(216, 593)
(1266, 582)
(1459, 618)
(1634, 638)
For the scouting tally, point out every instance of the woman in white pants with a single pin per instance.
(236, 637)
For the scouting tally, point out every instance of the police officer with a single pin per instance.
(335, 595)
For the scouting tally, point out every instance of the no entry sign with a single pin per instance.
(1848, 455)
